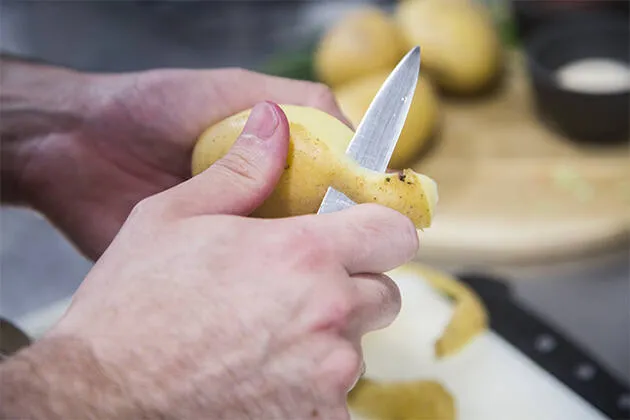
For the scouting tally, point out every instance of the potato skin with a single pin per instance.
(317, 160)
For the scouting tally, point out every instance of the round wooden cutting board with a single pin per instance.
(512, 191)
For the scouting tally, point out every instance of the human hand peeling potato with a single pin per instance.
(194, 311)
(84, 148)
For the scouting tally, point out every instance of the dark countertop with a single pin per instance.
(589, 300)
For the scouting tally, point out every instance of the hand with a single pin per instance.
(195, 314)
(126, 137)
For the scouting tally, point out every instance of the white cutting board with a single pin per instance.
(489, 379)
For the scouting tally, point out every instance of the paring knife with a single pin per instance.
(377, 134)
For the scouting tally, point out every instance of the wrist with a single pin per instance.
(59, 378)
(37, 103)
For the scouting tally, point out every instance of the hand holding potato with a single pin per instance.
(195, 312)
(84, 148)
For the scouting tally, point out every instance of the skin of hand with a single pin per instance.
(195, 312)
(84, 148)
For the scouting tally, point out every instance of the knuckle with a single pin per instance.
(363, 230)
(309, 250)
(336, 311)
(342, 367)
(323, 96)
(384, 219)
(147, 208)
(241, 166)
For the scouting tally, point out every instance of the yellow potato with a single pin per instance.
(409, 400)
(355, 97)
(317, 160)
(364, 41)
(459, 43)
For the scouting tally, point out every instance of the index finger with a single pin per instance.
(368, 238)
(254, 87)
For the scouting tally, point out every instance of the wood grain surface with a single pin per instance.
(514, 191)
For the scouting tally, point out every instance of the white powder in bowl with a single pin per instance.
(595, 75)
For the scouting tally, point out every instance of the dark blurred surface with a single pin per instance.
(39, 267)
(12, 339)
(135, 35)
(531, 14)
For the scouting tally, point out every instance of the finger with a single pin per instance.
(254, 87)
(368, 238)
(356, 342)
(241, 180)
(378, 304)
(360, 375)
(340, 370)
(337, 412)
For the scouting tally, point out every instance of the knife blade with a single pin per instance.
(376, 136)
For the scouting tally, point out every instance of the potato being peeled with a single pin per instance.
(317, 160)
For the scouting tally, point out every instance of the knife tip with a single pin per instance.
(414, 54)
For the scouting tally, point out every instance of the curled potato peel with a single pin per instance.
(424, 398)
(469, 318)
(317, 160)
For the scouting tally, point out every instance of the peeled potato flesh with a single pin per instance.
(355, 97)
(408, 400)
(317, 160)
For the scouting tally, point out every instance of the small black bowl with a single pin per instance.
(580, 115)
(529, 15)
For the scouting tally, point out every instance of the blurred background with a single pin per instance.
(521, 116)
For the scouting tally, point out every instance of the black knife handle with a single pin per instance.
(552, 351)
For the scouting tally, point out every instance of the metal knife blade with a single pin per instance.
(377, 134)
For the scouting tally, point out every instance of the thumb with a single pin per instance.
(241, 180)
